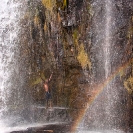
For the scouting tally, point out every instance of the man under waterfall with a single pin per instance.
(48, 94)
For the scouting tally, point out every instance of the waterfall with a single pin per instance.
(24, 35)
(106, 45)
(8, 48)
(13, 93)
(9, 15)
(107, 112)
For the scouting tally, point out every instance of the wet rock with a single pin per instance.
(51, 128)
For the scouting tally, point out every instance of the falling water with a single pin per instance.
(8, 34)
(8, 51)
(16, 113)
(106, 47)
(107, 42)
(106, 114)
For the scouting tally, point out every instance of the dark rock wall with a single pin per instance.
(67, 37)
(112, 106)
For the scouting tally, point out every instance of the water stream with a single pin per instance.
(106, 113)
(9, 67)
(107, 43)
(8, 48)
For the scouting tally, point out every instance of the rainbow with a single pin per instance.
(99, 88)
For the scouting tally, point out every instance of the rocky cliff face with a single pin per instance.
(66, 37)
(54, 39)
(111, 53)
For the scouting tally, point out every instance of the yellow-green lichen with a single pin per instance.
(36, 20)
(75, 36)
(49, 4)
(128, 84)
(64, 3)
(37, 79)
(83, 57)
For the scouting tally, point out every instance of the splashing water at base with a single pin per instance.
(105, 131)
(5, 127)
(8, 50)
(8, 33)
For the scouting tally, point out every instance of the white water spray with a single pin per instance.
(106, 112)
(108, 16)
(8, 33)
(107, 43)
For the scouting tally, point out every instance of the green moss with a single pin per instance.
(37, 79)
(49, 4)
(121, 73)
(83, 57)
(64, 4)
(128, 84)
(75, 34)
(36, 20)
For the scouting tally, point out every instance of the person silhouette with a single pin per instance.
(48, 94)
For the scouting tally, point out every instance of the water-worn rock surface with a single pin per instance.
(88, 46)
(109, 53)
(51, 128)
